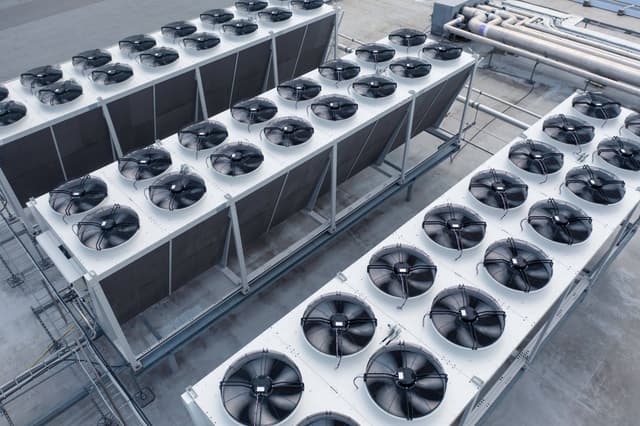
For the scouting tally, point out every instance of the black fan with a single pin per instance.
(454, 227)
(300, 89)
(405, 381)
(375, 52)
(107, 227)
(254, 111)
(177, 190)
(328, 419)
(90, 59)
(203, 135)
(251, 5)
(442, 51)
(288, 131)
(559, 221)
(499, 189)
(236, 159)
(40, 76)
(158, 56)
(201, 41)
(338, 325)
(339, 70)
(178, 29)
(595, 185)
(467, 317)
(144, 163)
(374, 86)
(621, 153)
(113, 73)
(261, 388)
(307, 4)
(216, 16)
(239, 27)
(78, 195)
(402, 271)
(4, 93)
(518, 265)
(407, 37)
(334, 107)
(568, 130)
(11, 111)
(135, 44)
(59, 93)
(536, 157)
(409, 67)
(275, 14)
(596, 105)
(632, 124)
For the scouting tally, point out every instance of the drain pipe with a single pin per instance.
(452, 28)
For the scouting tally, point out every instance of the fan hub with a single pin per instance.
(334, 105)
(143, 161)
(536, 155)
(261, 386)
(569, 129)
(519, 262)
(176, 187)
(107, 224)
(454, 224)
(406, 377)
(595, 182)
(78, 193)
(625, 153)
(468, 314)
(560, 219)
(339, 321)
(409, 66)
(498, 187)
(401, 268)
(236, 156)
(111, 71)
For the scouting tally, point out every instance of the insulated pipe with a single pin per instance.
(451, 28)
(609, 69)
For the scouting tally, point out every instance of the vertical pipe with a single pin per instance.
(334, 186)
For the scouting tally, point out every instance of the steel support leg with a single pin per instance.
(237, 239)
(201, 97)
(461, 129)
(334, 187)
(115, 142)
(412, 111)
(274, 59)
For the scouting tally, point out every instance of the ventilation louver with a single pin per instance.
(135, 44)
(498, 189)
(409, 67)
(203, 135)
(442, 51)
(144, 163)
(288, 131)
(201, 41)
(596, 105)
(595, 185)
(11, 111)
(560, 221)
(374, 86)
(334, 107)
(158, 57)
(328, 419)
(536, 157)
(299, 89)
(216, 16)
(59, 93)
(178, 29)
(401, 271)
(275, 14)
(454, 227)
(568, 130)
(339, 70)
(621, 153)
(467, 317)
(177, 190)
(236, 159)
(518, 265)
(239, 27)
(90, 59)
(113, 73)
(261, 389)
(78, 195)
(107, 227)
(40, 76)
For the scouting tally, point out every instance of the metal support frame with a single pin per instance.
(334, 187)
(461, 129)
(115, 142)
(412, 110)
(10, 197)
(201, 96)
(311, 204)
(237, 239)
(55, 145)
(274, 59)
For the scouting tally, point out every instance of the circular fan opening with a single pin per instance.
(621, 153)
(158, 57)
(407, 37)
(568, 130)
(498, 189)
(402, 272)
(239, 27)
(595, 185)
(405, 381)
(409, 67)
(145, 163)
(236, 159)
(328, 419)
(107, 227)
(135, 44)
(632, 124)
(111, 74)
(216, 16)
(307, 4)
(467, 317)
(560, 221)
(375, 53)
(334, 107)
(90, 59)
(261, 388)
(251, 6)
(78, 195)
(442, 51)
(59, 93)
(300, 89)
(339, 70)
(203, 135)
(374, 86)
(536, 157)
(178, 29)
(596, 105)
(288, 131)
(254, 111)
(454, 227)
(338, 325)
(200, 41)
(518, 265)
(275, 14)
(176, 191)
(40, 76)
(11, 111)
(4, 93)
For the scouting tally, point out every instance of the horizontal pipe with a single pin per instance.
(494, 113)
(509, 104)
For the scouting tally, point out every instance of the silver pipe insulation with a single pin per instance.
(552, 52)
(507, 103)
(494, 113)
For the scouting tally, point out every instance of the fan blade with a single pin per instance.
(464, 337)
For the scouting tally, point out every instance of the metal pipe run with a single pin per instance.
(494, 113)
(504, 102)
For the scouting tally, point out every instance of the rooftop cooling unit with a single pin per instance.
(518, 265)
(108, 227)
(595, 185)
(135, 44)
(410, 67)
(261, 389)
(375, 53)
(145, 163)
(236, 159)
(251, 6)
(203, 135)
(254, 111)
(536, 157)
(498, 189)
(11, 111)
(78, 195)
(200, 41)
(90, 59)
(178, 29)
(59, 93)
(596, 105)
(299, 89)
(467, 317)
(407, 37)
(307, 4)
(442, 51)
(288, 131)
(621, 153)
(40, 76)
(239, 27)
(454, 227)
(158, 57)
(374, 86)
(402, 272)
(339, 70)
(4, 93)
(560, 221)
(334, 107)
(405, 381)
(328, 419)
(275, 14)
(110, 74)
(568, 130)
(216, 16)
(177, 190)
(632, 123)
